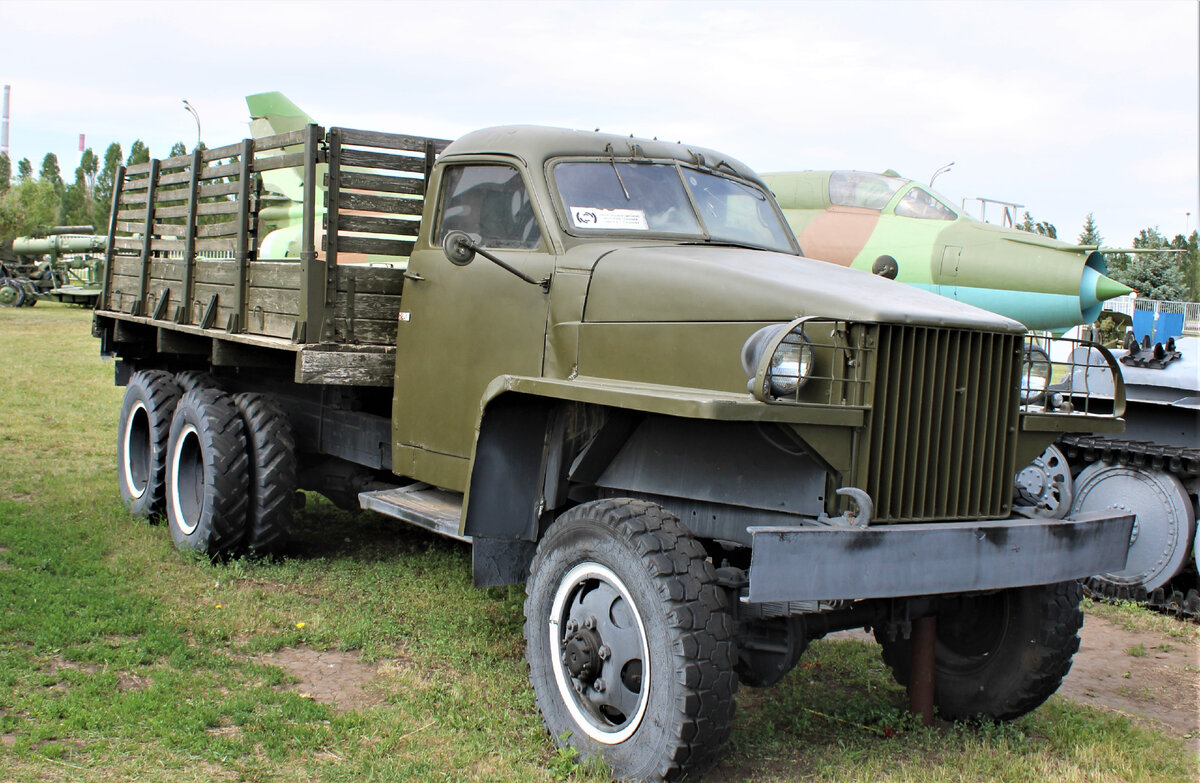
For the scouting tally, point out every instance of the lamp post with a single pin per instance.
(195, 115)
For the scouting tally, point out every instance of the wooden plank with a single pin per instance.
(129, 225)
(127, 243)
(176, 195)
(217, 208)
(138, 168)
(176, 161)
(224, 170)
(376, 225)
(353, 180)
(211, 189)
(167, 270)
(273, 300)
(176, 178)
(125, 265)
(393, 141)
(370, 279)
(345, 368)
(161, 213)
(382, 160)
(280, 140)
(372, 246)
(216, 244)
(217, 153)
(261, 322)
(366, 332)
(378, 307)
(372, 203)
(227, 229)
(170, 230)
(129, 196)
(275, 274)
(216, 272)
(290, 160)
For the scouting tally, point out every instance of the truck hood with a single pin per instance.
(705, 283)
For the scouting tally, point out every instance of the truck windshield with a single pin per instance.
(653, 198)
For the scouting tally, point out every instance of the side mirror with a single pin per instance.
(459, 248)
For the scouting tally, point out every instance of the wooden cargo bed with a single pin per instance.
(187, 266)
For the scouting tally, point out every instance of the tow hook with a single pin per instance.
(866, 510)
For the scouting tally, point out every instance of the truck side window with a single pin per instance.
(490, 203)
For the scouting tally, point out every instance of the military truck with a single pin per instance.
(604, 362)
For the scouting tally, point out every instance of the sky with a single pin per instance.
(1064, 107)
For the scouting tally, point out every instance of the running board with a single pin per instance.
(419, 504)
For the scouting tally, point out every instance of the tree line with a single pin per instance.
(29, 203)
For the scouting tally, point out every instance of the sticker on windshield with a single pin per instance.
(592, 217)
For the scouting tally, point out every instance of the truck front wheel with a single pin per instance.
(997, 655)
(629, 641)
(207, 473)
(142, 432)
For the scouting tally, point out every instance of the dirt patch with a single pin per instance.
(332, 677)
(1145, 675)
(131, 682)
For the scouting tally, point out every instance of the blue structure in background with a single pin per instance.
(1159, 327)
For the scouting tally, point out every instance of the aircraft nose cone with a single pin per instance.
(1095, 288)
(1107, 288)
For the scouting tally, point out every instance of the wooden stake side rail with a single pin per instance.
(186, 231)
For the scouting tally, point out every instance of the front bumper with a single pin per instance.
(890, 561)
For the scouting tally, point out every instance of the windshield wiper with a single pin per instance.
(613, 158)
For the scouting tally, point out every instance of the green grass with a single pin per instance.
(122, 659)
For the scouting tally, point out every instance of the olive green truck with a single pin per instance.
(605, 363)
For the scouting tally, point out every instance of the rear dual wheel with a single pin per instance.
(142, 434)
(207, 473)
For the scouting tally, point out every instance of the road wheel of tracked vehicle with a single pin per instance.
(1164, 526)
(629, 641)
(272, 453)
(207, 473)
(1000, 655)
(142, 434)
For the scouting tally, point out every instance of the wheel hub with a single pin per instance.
(602, 670)
(581, 654)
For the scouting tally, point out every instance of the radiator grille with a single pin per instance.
(941, 442)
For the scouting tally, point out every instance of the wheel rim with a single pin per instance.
(599, 653)
(187, 480)
(135, 450)
(967, 637)
(9, 294)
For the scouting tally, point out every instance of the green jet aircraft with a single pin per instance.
(901, 229)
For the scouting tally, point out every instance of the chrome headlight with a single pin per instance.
(778, 360)
(1035, 375)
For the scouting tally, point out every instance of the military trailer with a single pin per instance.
(604, 362)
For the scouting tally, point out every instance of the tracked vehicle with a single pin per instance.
(603, 362)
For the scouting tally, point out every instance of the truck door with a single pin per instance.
(461, 327)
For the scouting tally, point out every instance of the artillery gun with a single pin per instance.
(53, 264)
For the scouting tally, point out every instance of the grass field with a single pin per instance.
(121, 659)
